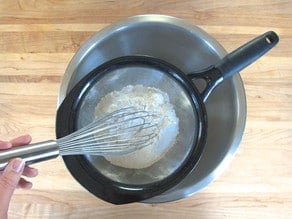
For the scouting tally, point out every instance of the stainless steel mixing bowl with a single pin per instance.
(189, 48)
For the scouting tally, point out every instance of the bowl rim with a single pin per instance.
(177, 192)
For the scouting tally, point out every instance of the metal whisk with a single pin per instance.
(120, 132)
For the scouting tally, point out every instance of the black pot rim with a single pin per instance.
(95, 182)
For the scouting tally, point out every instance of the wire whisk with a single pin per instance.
(120, 132)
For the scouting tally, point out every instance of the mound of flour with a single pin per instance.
(151, 99)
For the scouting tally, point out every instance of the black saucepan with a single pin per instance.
(121, 185)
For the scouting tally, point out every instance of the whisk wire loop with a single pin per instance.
(120, 132)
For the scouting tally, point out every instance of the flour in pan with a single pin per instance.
(151, 99)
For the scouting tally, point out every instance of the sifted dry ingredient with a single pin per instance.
(151, 99)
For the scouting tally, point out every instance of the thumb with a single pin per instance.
(9, 181)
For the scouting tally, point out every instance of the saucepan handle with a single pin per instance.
(235, 61)
(240, 58)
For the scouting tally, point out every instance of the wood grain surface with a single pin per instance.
(39, 37)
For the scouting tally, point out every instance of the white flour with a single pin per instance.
(151, 99)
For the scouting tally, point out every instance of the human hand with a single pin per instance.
(11, 178)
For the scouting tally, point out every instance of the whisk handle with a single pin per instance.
(31, 153)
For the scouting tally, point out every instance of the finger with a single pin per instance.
(22, 140)
(5, 144)
(30, 172)
(24, 184)
(9, 181)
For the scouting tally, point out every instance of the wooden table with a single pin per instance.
(38, 39)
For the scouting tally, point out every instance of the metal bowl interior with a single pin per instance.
(189, 48)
